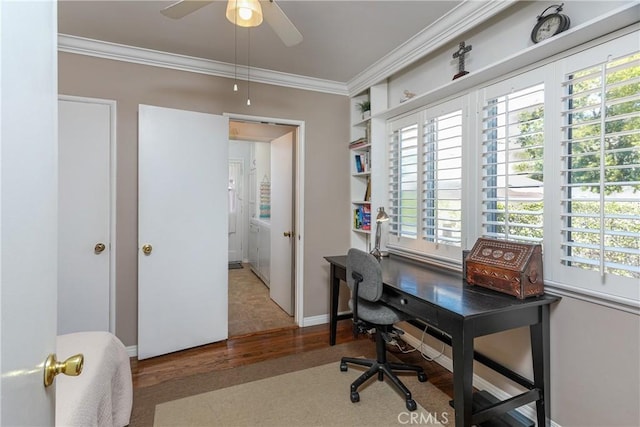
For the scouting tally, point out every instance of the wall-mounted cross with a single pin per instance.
(462, 50)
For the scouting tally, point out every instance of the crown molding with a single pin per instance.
(464, 17)
(119, 52)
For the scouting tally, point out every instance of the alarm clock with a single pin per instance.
(550, 25)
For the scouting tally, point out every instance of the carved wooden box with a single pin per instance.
(508, 267)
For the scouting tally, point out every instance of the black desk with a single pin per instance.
(441, 298)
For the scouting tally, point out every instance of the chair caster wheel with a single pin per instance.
(343, 367)
(411, 405)
(422, 377)
(355, 397)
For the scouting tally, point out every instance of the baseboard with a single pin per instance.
(319, 320)
(132, 350)
(315, 320)
(478, 382)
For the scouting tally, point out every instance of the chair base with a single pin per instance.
(382, 367)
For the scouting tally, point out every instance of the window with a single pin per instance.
(442, 179)
(425, 182)
(512, 165)
(601, 168)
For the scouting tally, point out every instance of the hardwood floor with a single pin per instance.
(258, 347)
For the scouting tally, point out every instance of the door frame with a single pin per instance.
(112, 104)
(298, 191)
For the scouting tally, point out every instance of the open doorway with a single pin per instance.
(262, 216)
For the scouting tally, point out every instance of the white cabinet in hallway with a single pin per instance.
(260, 249)
(254, 236)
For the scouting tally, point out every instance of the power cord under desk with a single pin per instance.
(424, 356)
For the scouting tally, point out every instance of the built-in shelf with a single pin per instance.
(364, 147)
(357, 230)
(362, 123)
(361, 174)
(619, 18)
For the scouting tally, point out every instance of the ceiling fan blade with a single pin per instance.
(183, 8)
(280, 23)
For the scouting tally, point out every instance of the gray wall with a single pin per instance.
(326, 209)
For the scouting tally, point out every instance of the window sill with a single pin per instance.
(610, 301)
(449, 264)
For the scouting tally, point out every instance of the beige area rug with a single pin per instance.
(311, 397)
(146, 399)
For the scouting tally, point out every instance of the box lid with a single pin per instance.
(502, 253)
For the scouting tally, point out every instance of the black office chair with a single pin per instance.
(364, 278)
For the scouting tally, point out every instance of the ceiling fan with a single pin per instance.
(272, 13)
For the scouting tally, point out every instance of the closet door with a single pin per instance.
(183, 176)
(86, 130)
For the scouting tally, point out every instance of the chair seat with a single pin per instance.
(378, 314)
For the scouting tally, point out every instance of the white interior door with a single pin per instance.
(236, 212)
(28, 211)
(183, 217)
(84, 192)
(281, 289)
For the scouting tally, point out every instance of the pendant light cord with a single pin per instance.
(235, 41)
(248, 64)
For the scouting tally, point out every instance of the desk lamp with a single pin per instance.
(380, 218)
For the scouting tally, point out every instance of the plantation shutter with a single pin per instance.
(601, 167)
(512, 165)
(403, 180)
(442, 179)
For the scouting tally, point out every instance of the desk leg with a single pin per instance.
(462, 347)
(334, 290)
(540, 349)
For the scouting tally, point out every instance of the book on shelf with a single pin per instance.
(366, 217)
(358, 143)
(362, 217)
(362, 162)
(367, 192)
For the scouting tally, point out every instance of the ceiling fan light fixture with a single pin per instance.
(244, 13)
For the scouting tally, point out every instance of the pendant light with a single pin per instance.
(244, 13)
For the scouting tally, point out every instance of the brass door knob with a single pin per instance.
(99, 248)
(72, 367)
(146, 249)
(288, 233)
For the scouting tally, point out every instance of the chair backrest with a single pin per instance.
(365, 264)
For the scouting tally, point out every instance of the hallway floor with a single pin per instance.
(250, 308)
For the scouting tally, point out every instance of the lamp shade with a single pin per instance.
(382, 215)
(244, 13)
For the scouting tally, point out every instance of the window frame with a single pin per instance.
(419, 248)
(614, 291)
(618, 289)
